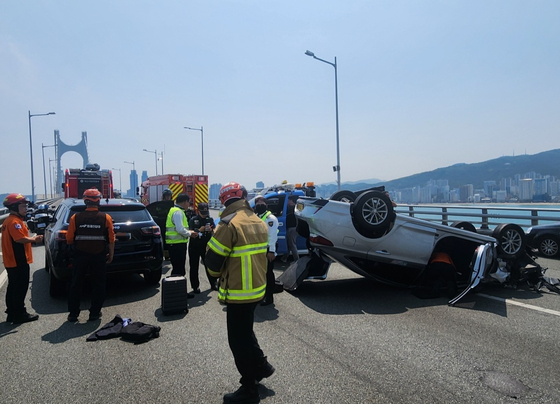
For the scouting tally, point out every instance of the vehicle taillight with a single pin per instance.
(153, 230)
(320, 240)
(60, 235)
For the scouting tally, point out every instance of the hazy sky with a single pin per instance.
(421, 85)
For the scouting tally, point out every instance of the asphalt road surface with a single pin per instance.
(342, 340)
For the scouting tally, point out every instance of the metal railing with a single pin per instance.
(482, 216)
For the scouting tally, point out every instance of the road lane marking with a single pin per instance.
(516, 303)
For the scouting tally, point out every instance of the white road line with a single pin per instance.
(3, 277)
(516, 303)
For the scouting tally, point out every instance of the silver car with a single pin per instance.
(363, 232)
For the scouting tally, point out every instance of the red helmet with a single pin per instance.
(14, 199)
(232, 190)
(92, 196)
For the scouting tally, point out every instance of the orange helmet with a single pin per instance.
(92, 196)
(14, 199)
(232, 190)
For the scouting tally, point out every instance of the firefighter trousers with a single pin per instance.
(243, 343)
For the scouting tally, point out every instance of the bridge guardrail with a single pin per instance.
(486, 217)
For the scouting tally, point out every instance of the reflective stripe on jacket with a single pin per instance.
(237, 254)
(172, 236)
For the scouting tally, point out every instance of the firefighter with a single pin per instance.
(261, 209)
(204, 225)
(17, 255)
(177, 235)
(237, 255)
(91, 238)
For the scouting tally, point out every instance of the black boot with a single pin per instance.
(23, 318)
(264, 370)
(243, 395)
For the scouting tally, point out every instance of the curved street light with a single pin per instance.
(44, 173)
(134, 186)
(155, 155)
(337, 167)
(202, 143)
(120, 179)
(30, 115)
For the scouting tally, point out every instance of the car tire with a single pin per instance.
(153, 278)
(343, 196)
(511, 240)
(372, 214)
(548, 246)
(464, 226)
(56, 286)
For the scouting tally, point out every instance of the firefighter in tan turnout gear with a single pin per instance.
(236, 254)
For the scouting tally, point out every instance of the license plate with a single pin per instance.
(41, 225)
(299, 206)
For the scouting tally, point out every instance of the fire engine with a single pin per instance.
(196, 186)
(77, 180)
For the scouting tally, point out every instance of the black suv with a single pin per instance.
(138, 241)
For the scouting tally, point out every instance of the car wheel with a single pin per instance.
(153, 278)
(343, 196)
(548, 246)
(56, 286)
(372, 213)
(464, 226)
(511, 240)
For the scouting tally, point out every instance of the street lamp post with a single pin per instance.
(44, 173)
(135, 179)
(337, 167)
(120, 179)
(29, 115)
(155, 155)
(50, 178)
(202, 143)
(161, 158)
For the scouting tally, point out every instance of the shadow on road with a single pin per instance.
(121, 289)
(361, 295)
(69, 331)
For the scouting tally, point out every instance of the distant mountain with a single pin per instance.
(545, 163)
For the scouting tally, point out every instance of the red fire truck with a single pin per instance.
(77, 180)
(196, 186)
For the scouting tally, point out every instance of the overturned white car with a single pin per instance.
(362, 231)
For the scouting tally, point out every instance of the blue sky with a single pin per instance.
(422, 85)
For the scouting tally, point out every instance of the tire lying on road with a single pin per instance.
(373, 214)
